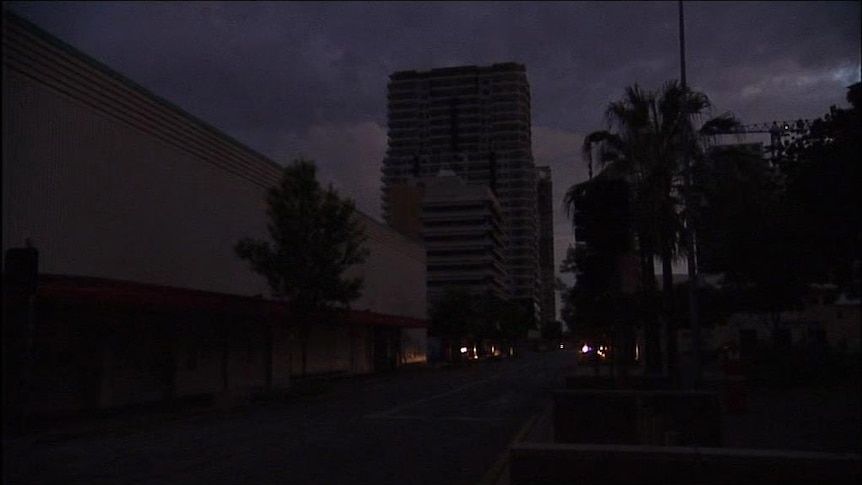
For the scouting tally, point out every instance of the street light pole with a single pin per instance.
(691, 244)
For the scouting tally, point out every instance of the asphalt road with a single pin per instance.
(444, 426)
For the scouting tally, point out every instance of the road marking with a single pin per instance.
(442, 394)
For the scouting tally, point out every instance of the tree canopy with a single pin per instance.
(646, 141)
(315, 238)
(823, 177)
(459, 314)
(773, 227)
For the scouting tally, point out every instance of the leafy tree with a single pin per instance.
(552, 330)
(823, 178)
(315, 238)
(516, 319)
(774, 227)
(647, 135)
(458, 314)
(454, 316)
(746, 232)
(597, 306)
(567, 308)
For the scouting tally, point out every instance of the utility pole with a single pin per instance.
(691, 241)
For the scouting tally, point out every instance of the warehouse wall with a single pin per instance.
(110, 181)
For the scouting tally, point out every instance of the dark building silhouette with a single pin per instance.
(474, 121)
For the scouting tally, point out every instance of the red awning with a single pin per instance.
(87, 291)
(366, 317)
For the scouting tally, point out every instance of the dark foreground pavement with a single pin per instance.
(420, 426)
(800, 419)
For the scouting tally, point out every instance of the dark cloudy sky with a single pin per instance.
(309, 78)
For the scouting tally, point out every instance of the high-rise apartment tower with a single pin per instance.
(474, 121)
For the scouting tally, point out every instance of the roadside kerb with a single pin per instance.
(498, 473)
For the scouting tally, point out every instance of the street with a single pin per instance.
(413, 426)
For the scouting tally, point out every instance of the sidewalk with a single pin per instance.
(112, 421)
(146, 415)
(211, 406)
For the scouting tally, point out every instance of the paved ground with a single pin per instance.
(804, 419)
(445, 426)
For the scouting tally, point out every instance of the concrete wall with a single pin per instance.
(151, 358)
(138, 363)
(89, 358)
(199, 352)
(110, 181)
(332, 349)
(90, 178)
(65, 372)
(393, 274)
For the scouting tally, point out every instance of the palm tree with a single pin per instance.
(644, 144)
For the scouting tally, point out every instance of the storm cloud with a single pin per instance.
(309, 79)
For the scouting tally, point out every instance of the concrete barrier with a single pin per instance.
(552, 463)
(685, 418)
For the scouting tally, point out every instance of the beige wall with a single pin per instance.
(394, 273)
(102, 198)
(110, 181)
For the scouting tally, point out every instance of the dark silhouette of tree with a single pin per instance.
(774, 227)
(567, 304)
(603, 230)
(822, 182)
(459, 314)
(745, 232)
(516, 319)
(315, 237)
(454, 316)
(644, 145)
(586, 304)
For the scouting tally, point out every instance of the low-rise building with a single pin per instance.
(463, 233)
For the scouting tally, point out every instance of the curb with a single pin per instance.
(492, 476)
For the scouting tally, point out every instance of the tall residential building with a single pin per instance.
(474, 121)
(547, 293)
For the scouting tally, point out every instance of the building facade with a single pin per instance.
(134, 207)
(462, 229)
(474, 121)
(547, 288)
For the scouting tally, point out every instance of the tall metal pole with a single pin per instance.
(691, 241)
